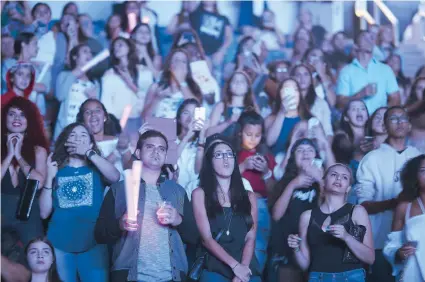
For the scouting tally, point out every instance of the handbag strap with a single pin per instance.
(219, 234)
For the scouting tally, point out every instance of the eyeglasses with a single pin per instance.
(224, 155)
(281, 70)
(401, 119)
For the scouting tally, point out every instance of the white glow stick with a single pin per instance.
(43, 72)
(132, 21)
(129, 195)
(137, 174)
(96, 59)
(145, 20)
(125, 115)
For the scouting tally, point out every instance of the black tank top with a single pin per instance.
(326, 251)
(7, 186)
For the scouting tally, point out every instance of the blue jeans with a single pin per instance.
(89, 266)
(357, 275)
(263, 233)
(215, 277)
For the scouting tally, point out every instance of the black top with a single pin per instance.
(210, 28)
(232, 242)
(301, 200)
(7, 186)
(326, 251)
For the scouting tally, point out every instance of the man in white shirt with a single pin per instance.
(367, 79)
(379, 184)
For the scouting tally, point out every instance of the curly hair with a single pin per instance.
(167, 75)
(60, 155)
(53, 275)
(409, 178)
(34, 134)
(291, 171)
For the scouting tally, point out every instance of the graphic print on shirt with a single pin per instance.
(304, 196)
(77, 96)
(212, 25)
(75, 191)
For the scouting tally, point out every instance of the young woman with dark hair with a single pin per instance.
(73, 87)
(303, 40)
(73, 194)
(70, 8)
(176, 85)
(113, 29)
(375, 127)
(394, 60)
(114, 146)
(289, 109)
(333, 230)
(190, 138)
(23, 153)
(181, 20)
(41, 260)
(237, 97)
(256, 165)
(142, 38)
(405, 247)
(296, 192)
(416, 109)
(222, 203)
(318, 106)
(85, 27)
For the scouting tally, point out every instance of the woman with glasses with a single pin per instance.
(222, 205)
(334, 240)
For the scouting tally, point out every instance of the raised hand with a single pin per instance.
(52, 167)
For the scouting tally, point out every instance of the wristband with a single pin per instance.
(90, 153)
(268, 175)
(235, 266)
(47, 188)
(202, 145)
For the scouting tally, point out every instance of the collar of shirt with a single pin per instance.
(357, 63)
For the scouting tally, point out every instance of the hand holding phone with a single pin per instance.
(200, 113)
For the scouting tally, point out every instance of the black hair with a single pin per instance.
(401, 78)
(81, 36)
(239, 198)
(311, 96)
(150, 134)
(319, 33)
(359, 35)
(23, 37)
(149, 46)
(107, 31)
(413, 99)
(343, 148)
(418, 72)
(39, 4)
(369, 129)
(393, 108)
(345, 125)
(191, 101)
(124, 15)
(409, 179)
(74, 53)
(132, 58)
(250, 117)
(67, 6)
(110, 126)
(291, 171)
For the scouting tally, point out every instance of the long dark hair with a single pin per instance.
(149, 46)
(23, 37)
(109, 126)
(291, 171)
(167, 75)
(180, 110)
(302, 109)
(369, 129)
(124, 16)
(409, 179)
(53, 275)
(107, 31)
(311, 96)
(413, 99)
(345, 125)
(81, 36)
(248, 101)
(401, 78)
(34, 134)
(250, 117)
(60, 155)
(208, 181)
(132, 58)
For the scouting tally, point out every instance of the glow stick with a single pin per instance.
(129, 195)
(96, 59)
(132, 21)
(136, 174)
(125, 116)
(145, 20)
(43, 72)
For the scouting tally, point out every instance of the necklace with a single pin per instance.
(226, 217)
(223, 195)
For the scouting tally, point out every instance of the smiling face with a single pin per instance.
(304, 155)
(302, 75)
(22, 77)
(39, 257)
(153, 153)
(337, 180)
(378, 126)
(251, 136)
(94, 117)
(223, 161)
(239, 85)
(357, 114)
(42, 14)
(16, 122)
(142, 35)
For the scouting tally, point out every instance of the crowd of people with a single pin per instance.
(264, 156)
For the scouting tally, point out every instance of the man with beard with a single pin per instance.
(150, 249)
(379, 184)
(367, 79)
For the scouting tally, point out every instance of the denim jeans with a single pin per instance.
(263, 233)
(208, 276)
(357, 275)
(89, 266)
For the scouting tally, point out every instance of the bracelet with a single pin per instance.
(235, 266)
(47, 188)
(90, 153)
(268, 175)
(202, 145)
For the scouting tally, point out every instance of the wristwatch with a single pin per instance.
(90, 153)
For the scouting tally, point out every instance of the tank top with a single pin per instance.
(231, 129)
(288, 125)
(326, 251)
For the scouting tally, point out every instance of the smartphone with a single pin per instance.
(200, 113)
(414, 244)
(290, 93)
(317, 163)
(369, 138)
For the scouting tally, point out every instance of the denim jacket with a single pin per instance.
(126, 244)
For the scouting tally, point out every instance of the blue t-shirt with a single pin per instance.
(288, 125)
(77, 199)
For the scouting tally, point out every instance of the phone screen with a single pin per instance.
(200, 113)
